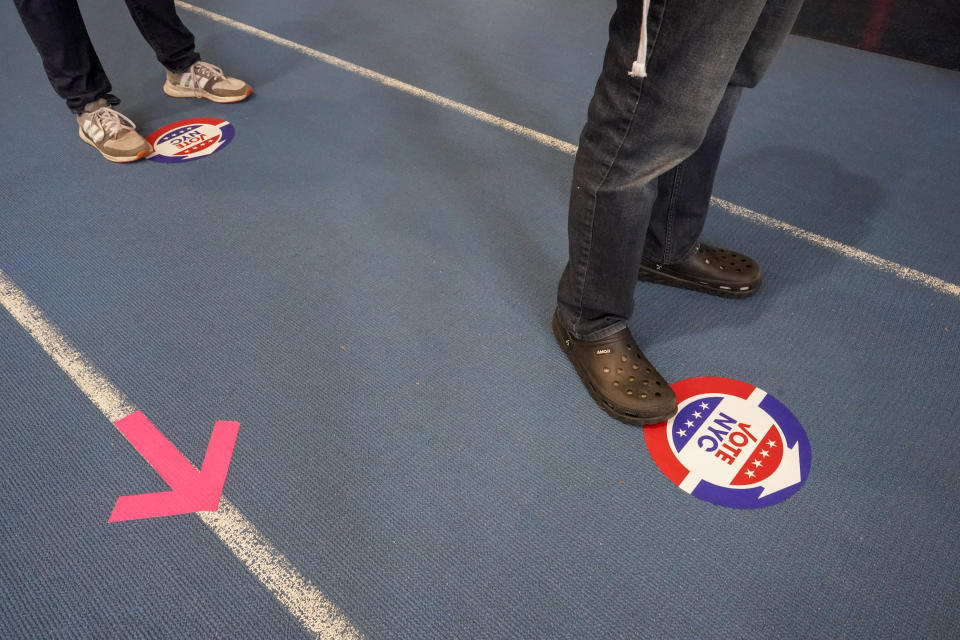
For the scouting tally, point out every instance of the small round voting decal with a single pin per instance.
(190, 139)
(731, 444)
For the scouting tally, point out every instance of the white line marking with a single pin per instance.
(301, 598)
(393, 83)
(294, 591)
(906, 273)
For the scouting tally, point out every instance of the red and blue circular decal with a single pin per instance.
(190, 139)
(731, 444)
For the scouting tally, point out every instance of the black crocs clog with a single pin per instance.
(708, 270)
(618, 376)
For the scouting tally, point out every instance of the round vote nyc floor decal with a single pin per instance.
(189, 139)
(731, 444)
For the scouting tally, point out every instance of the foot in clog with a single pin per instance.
(618, 376)
(709, 270)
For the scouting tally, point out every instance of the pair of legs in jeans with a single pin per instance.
(642, 181)
(73, 68)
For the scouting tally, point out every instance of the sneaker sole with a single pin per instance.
(560, 334)
(648, 274)
(118, 159)
(182, 92)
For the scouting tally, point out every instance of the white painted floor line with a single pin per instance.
(906, 273)
(301, 598)
(393, 83)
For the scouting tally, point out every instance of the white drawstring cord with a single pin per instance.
(639, 69)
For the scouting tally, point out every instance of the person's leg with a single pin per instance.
(111, 133)
(57, 30)
(683, 193)
(166, 34)
(672, 252)
(72, 66)
(173, 42)
(637, 130)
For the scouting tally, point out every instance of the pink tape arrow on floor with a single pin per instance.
(191, 490)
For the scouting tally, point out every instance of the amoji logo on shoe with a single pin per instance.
(731, 444)
(190, 139)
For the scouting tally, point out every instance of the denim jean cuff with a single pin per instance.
(600, 334)
(184, 65)
(111, 99)
(659, 260)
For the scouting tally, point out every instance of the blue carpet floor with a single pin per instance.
(364, 280)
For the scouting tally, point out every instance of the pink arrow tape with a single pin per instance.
(191, 490)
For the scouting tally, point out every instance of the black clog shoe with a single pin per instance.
(708, 270)
(618, 376)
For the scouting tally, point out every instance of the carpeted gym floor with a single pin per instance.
(364, 278)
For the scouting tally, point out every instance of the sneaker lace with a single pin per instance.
(113, 122)
(207, 70)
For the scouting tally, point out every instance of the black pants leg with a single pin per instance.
(165, 33)
(69, 59)
(57, 30)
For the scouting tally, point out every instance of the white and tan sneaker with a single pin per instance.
(204, 80)
(111, 133)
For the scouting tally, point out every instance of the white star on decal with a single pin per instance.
(750, 473)
(689, 423)
(681, 432)
(697, 414)
(765, 453)
(757, 464)
(704, 405)
(771, 444)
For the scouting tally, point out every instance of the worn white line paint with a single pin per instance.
(393, 83)
(110, 400)
(301, 598)
(906, 273)
(314, 611)
(899, 270)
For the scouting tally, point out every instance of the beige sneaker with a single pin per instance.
(204, 80)
(111, 133)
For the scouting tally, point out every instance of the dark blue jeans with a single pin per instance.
(648, 154)
(57, 30)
